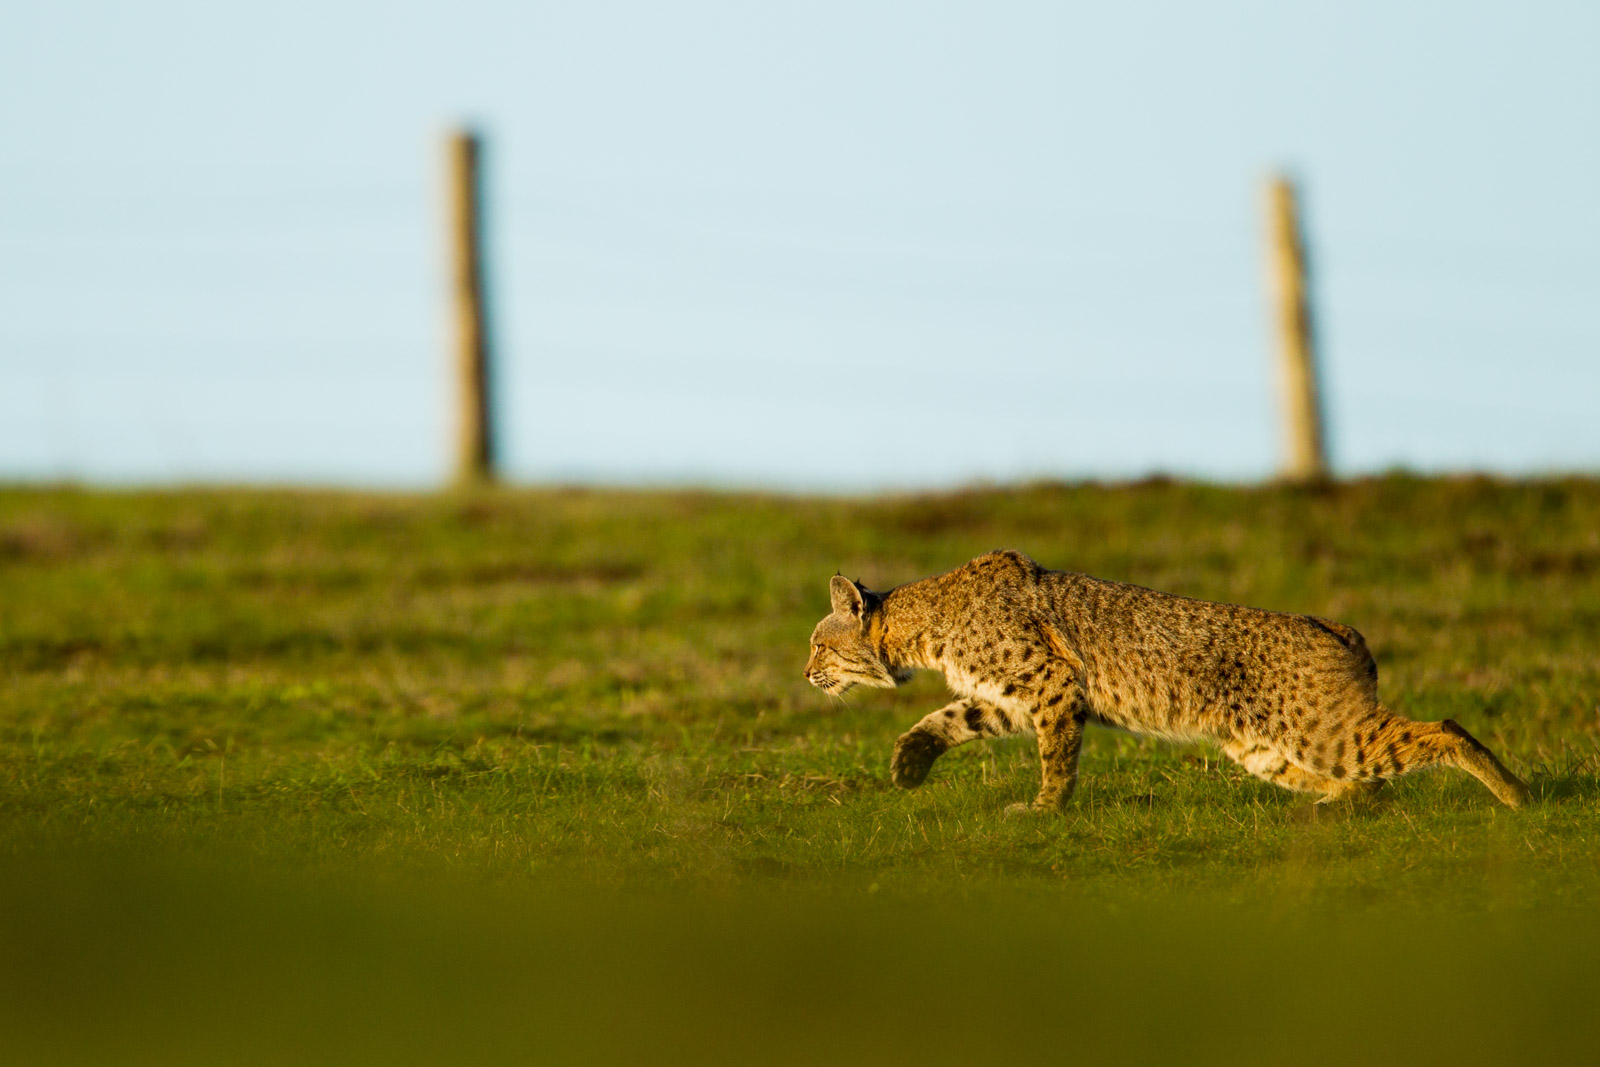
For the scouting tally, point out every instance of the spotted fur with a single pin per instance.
(1293, 699)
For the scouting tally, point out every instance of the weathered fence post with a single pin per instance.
(1306, 455)
(475, 452)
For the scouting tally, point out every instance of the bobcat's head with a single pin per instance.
(841, 654)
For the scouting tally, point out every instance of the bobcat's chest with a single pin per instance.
(979, 681)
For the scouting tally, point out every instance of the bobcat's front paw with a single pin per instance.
(1040, 805)
(914, 754)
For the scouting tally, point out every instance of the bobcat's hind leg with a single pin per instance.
(1270, 765)
(938, 732)
(1401, 745)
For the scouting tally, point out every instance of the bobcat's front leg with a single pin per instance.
(937, 732)
(1058, 720)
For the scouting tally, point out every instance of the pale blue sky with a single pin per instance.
(835, 245)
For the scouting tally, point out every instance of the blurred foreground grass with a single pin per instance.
(537, 770)
(129, 962)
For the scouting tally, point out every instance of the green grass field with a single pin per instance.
(431, 777)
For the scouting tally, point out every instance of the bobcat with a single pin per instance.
(1292, 699)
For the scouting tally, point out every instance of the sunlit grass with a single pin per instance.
(524, 700)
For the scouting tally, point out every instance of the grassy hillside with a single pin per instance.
(313, 706)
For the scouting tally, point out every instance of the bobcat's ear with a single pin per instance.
(847, 599)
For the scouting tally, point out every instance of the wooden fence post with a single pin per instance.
(475, 452)
(1306, 455)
